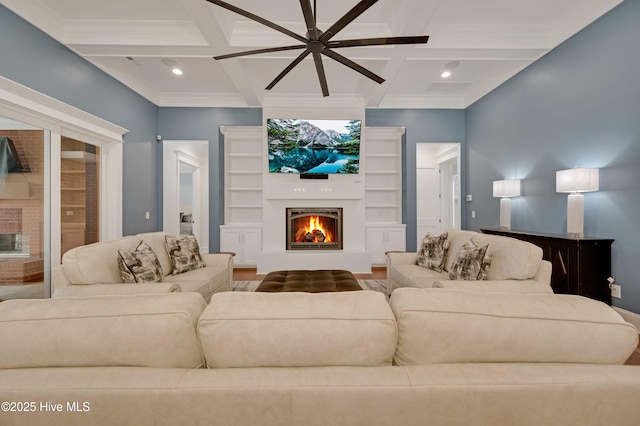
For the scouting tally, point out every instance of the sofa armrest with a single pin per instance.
(496, 286)
(59, 279)
(401, 257)
(397, 258)
(116, 289)
(222, 260)
(543, 275)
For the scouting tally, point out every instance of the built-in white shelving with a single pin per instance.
(383, 174)
(383, 192)
(243, 193)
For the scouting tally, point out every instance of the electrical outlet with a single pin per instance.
(616, 291)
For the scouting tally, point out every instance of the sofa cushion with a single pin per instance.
(433, 251)
(184, 253)
(96, 263)
(158, 244)
(156, 330)
(248, 329)
(471, 262)
(204, 280)
(510, 258)
(140, 265)
(438, 326)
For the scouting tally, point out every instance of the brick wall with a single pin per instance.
(30, 148)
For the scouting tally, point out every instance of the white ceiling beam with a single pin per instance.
(206, 21)
(132, 32)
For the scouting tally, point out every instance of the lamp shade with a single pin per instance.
(577, 180)
(506, 188)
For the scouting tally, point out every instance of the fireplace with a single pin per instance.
(314, 228)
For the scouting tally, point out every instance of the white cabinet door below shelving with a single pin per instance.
(244, 242)
(381, 239)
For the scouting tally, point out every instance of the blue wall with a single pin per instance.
(422, 125)
(577, 106)
(35, 60)
(204, 124)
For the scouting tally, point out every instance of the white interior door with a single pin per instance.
(186, 189)
(437, 188)
(428, 202)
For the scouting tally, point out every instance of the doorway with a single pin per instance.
(437, 188)
(186, 189)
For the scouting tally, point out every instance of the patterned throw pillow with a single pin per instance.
(140, 265)
(433, 251)
(471, 263)
(184, 253)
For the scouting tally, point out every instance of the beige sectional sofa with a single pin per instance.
(426, 357)
(93, 270)
(516, 267)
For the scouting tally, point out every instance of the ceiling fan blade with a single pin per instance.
(347, 18)
(317, 58)
(380, 41)
(258, 19)
(258, 51)
(287, 69)
(309, 19)
(348, 62)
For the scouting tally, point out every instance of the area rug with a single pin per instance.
(373, 285)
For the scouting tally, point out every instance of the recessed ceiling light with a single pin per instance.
(177, 71)
(448, 67)
(451, 65)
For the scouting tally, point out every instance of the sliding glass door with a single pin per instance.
(24, 224)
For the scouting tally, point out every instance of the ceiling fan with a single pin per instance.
(318, 43)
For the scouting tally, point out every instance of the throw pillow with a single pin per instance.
(472, 262)
(184, 253)
(433, 251)
(140, 265)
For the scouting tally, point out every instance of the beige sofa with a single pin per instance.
(427, 357)
(93, 270)
(516, 267)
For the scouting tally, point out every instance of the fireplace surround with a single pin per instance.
(311, 228)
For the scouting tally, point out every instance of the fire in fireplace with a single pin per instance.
(314, 228)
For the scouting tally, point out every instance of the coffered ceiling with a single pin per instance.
(138, 42)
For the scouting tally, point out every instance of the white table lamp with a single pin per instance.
(505, 189)
(575, 182)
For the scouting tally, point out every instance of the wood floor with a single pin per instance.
(377, 273)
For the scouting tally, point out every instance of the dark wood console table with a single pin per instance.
(580, 265)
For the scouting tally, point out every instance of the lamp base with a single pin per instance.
(505, 214)
(575, 214)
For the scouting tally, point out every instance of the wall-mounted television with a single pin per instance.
(313, 146)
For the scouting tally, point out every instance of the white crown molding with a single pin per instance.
(29, 100)
(39, 15)
(205, 100)
(481, 88)
(582, 16)
(132, 32)
(421, 101)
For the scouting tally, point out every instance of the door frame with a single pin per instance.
(191, 152)
(439, 156)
